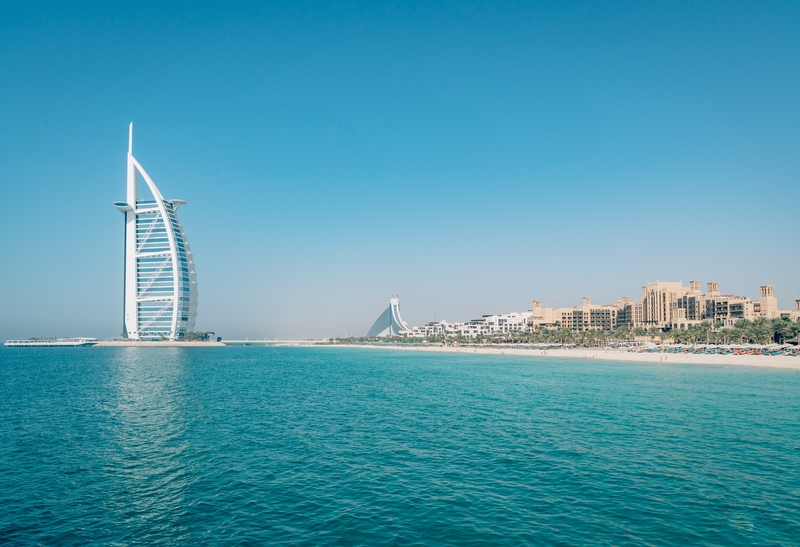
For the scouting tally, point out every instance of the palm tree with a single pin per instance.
(761, 330)
(783, 329)
(705, 329)
(742, 324)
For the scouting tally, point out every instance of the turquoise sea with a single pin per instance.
(323, 446)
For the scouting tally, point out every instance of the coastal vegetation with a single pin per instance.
(758, 331)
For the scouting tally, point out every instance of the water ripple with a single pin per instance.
(302, 446)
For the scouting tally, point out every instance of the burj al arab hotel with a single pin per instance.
(160, 283)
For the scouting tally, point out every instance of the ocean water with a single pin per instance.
(323, 446)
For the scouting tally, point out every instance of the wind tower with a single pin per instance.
(159, 282)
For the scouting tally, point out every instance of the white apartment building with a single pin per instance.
(486, 325)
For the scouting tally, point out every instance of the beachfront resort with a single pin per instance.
(665, 311)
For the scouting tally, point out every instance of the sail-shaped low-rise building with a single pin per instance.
(160, 282)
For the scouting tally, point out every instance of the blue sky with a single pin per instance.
(469, 157)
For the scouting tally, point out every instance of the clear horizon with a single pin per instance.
(469, 158)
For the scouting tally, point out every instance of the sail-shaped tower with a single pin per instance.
(389, 323)
(160, 282)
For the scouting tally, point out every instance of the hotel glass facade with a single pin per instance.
(160, 286)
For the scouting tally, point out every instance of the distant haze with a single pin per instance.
(468, 157)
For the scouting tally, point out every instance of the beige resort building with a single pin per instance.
(664, 305)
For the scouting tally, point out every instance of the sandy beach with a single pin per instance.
(587, 354)
(584, 354)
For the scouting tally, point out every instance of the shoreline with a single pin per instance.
(591, 354)
(164, 344)
(576, 354)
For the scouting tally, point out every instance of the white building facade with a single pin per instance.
(160, 282)
(486, 325)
